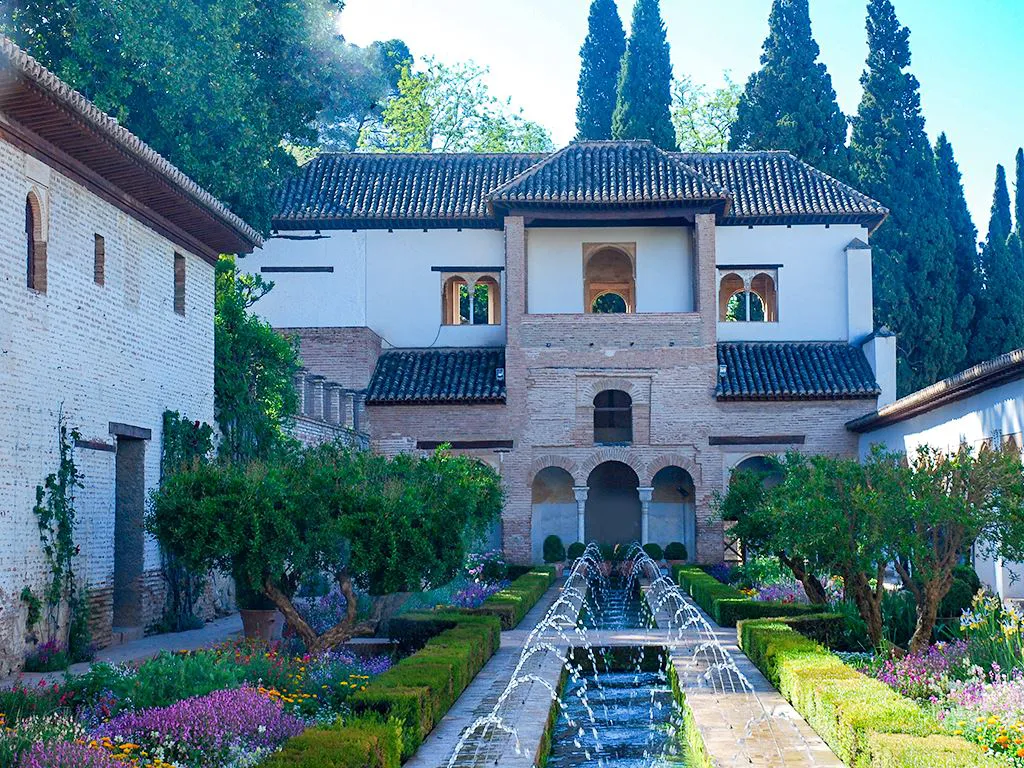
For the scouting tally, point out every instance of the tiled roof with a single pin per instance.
(421, 376)
(794, 371)
(369, 190)
(17, 65)
(411, 190)
(607, 173)
(983, 376)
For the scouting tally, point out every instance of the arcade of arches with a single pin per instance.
(613, 507)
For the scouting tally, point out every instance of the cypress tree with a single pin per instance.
(644, 97)
(790, 103)
(912, 252)
(966, 273)
(1000, 325)
(600, 61)
(1019, 189)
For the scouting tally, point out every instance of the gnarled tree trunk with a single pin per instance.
(812, 585)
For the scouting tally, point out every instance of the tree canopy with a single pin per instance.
(644, 94)
(789, 103)
(912, 252)
(448, 108)
(600, 61)
(703, 120)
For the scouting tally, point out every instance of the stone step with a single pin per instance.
(122, 635)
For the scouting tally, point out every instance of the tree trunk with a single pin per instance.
(813, 587)
(868, 602)
(334, 636)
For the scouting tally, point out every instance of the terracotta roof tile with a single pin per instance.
(794, 371)
(421, 376)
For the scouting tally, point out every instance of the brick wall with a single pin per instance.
(345, 355)
(115, 352)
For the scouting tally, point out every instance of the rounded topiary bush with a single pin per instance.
(554, 550)
(654, 551)
(675, 551)
(607, 552)
(576, 549)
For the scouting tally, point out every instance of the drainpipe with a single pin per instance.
(580, 492)
(645, 508)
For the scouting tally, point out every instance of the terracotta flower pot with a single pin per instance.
(262, 625)
(559, 569)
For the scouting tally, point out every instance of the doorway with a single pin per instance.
(613, 504)
(129, 536)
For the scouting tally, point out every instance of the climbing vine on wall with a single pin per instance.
(55, 515)
(184, 444)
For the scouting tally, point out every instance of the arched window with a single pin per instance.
(613, 417)
(35, 246)
(609, 282)
(463, 304)
(747, 296)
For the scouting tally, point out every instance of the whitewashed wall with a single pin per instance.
(111, 353)
(814, 286)
(382, 280)
(999, 410)
(664, 267)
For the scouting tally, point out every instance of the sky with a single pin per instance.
(967, 54)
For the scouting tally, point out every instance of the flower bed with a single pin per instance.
(727, 605)
(513, 602)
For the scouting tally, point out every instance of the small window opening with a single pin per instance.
(476, 305)
(613, 417)
(747, 297)
(179, 284)
(35, 246)
(99, 259)
(609, 304)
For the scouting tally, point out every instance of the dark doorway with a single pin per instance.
(613, 504)
(129, 512)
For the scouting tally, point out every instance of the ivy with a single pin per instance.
(35, 607)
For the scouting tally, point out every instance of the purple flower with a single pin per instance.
(928, 675)
(66, 754)
(473, 595)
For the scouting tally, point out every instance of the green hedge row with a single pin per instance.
(359, 742)
(727, 605)
(515, 601)
(421, 688)
(866, 723)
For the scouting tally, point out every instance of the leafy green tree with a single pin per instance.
(215, 86)
(951, 501)
(600, 61)
(703, 121)
(789, 103)
(254, 369)
(1000, 324)
(967, 273)
(643, 107)
(386, 525)
(912, 252)
(443, 108)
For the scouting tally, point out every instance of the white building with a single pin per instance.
(107, 257)
(983, 405)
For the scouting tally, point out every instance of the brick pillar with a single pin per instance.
(645, 508)
(300, 390)
(347, 408)
(332, 411)
(316, 395)
(359, 411)
(705, 277)
(580, 492)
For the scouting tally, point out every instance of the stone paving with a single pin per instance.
(742, 728)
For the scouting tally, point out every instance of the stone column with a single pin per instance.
(358, 410)
(316, 397)
(645, 509)
(347, 408)
(332, 411)
(580, 492)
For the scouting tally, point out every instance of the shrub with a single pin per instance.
(675, 551)
(861, 719)
(576, 550)
(515, 601)
(654, 551)
(607, 552)
(554, 550)
(49, 656)
(727, 605)
(368, 741)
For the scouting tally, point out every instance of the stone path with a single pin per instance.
(742, 728)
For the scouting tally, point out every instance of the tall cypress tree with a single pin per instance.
(644, 98)
(912, 251)
(600, 61)
(1000, 325)
(967, 272)
(790, 103)
(1019, 190)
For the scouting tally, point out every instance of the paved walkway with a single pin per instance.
(216, 631)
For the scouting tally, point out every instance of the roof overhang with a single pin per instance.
(46, 118)
(984, 376)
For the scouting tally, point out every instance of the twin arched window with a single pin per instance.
(613, 417)
(476, 305)
(748, 297)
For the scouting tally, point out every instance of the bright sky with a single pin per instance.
(967, 54)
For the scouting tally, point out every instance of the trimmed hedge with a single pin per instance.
(359, 742)
(421, 688)
(727, 605)
(866, 723)
(515, 601)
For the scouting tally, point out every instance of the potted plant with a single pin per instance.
(260, 618)
(675, 553)
(554, 553)
(654, 551)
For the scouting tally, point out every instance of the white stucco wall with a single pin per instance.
(111, 353)
(814, 287)
(381, 279)
(664, 267)
(972, 420)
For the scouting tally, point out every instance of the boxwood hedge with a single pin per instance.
(727, 605)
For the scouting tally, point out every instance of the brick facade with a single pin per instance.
(115, 351)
